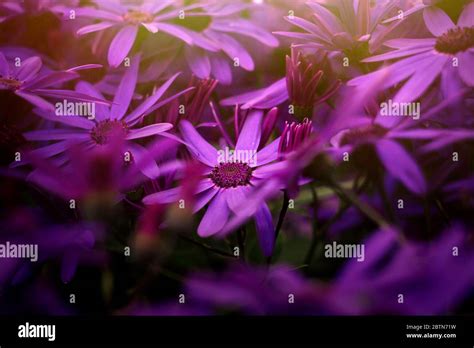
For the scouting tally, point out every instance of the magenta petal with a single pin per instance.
(404, 168)
(215, 217)
(437, 21)
(121, 45)
(201, 149)
(149, 130)
(249, 137)
(124, 93)
(29, 68)
(265, 229)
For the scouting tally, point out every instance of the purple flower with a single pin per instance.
(24, 78)
(69, 243)
(449, 55)
(229, 181)
(109, 122)
(355, 31)
(154, 16)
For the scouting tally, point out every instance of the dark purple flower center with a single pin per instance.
(137, 17)
(231, 174)
(455, 40)
(10, 82)
(105, 130)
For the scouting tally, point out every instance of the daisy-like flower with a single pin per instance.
(127, 18)
(109, 122)
(355, 31)
(450, 54)
(25, 79)
(227, 182)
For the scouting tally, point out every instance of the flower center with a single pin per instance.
(137, 17)
(455, 40)
(105, 130)
(231, 174)
(10, 82)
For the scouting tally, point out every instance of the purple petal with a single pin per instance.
(249, 137)
(221, 70)
(55, 134)
(70, 95)
(421, 80)
(75, 121)
(215, 217)
(69, 264)
(198, 61)
(437, 21)
(397, 54)
(201, 149)
(246, 28)
(149, 130)
(102, 112)
(236, 197)
(466, 64)
(94, 27)
(151, 27)
(204, 198)
(124, 93)
(121, 45)
(145, 161)
(162, 197)
(144, 108)
(265, 229)
(269, 153)
(29, 68)
(89, 12)
(233, 49)
(175, 31)
(404, 168)
(36, 100)
(54, 78)
(4, 69)
(467, 16)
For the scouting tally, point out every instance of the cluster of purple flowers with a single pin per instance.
(201, 157)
